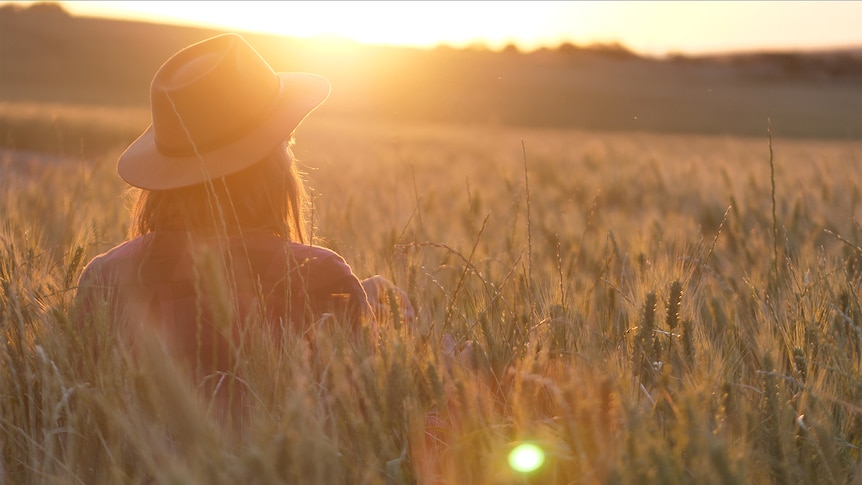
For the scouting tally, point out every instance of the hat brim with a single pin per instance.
(143, 165)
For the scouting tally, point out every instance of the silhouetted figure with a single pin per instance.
(217, 247)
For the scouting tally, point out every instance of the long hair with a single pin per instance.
(268, 196)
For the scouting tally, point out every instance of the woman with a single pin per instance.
(217, 247)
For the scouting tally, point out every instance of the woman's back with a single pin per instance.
(199, 293)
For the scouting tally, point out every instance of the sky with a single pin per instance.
(651, 28)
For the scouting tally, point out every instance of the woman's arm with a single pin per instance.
(380, 291)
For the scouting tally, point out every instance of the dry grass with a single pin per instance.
(639, 334)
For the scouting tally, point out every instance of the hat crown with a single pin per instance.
(210, 94)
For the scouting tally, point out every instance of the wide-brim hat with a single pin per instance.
(217, 108)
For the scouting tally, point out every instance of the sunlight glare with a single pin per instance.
(526, 458)
(421, 24)
(645, 27)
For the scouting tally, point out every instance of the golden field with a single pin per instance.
(634, 303)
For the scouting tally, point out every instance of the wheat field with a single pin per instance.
(645, 308)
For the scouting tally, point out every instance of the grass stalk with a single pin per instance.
(772, 193)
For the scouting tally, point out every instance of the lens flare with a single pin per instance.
(526, 458)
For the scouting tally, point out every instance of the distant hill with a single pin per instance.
(49, 56)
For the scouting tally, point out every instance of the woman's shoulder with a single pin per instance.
(114, 261)
(275, 247)
(274, 256)
(315, 253)
(318, 259)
